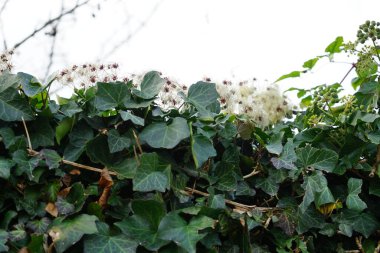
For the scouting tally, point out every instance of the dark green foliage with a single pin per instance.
(108, 171)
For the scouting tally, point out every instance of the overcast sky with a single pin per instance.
(191, 39)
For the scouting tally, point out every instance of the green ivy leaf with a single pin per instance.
(290, 75)
(321, 159)
(126, 168)
(161, 135)
(70, 109)
(63, 128)
(5, 167)
(70, 231)
(353, 200)
(312, 185)
(150, 85)
(98, 151)
(13, 107)
(126, 115)
(335, 46)
(3, 240)
(107, 244)
(309, 64)
(308, 219)
(152, 174)
(24, 164)
(268, 185)
(202, 149)
(8, 80)
(287, 158)
(275, 143)
(142, 226)
(111, 95)
(51, 157)
(202, 94)
(366, 224)
(116, 142)
(8, 136)
(174, 228)
(30, 84)
(36, 244)
(41, 134)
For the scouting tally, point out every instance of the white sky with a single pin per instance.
(192, 39)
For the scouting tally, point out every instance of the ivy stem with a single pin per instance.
(348, 72)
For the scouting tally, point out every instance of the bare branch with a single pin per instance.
(3, 6)
(133, 33)
(54, 34)
(49, 22)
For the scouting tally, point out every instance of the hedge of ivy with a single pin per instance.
(109, 171)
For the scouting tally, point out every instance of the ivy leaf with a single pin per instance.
(3, 240)
(111, 95)
(51, 157)
(103, 242)
(275, 143)
(161, 135)
(152, 174)
(287, 157)
(142, 226)
(321, 159)
(39, 226)
(268, 185)
(13, 107)
(308, 219)
(150, 85)
(365, 224)
(202, 149)
(64, 207)
(5, 167)
(225, 177)
(116, 142)
(309, 64)
(70, 109)
(335, 46)
(8, 80)
(30, 84)
(126, 168)
(70, 231)
(174, 228)
(8, 136)
(41, 134)
(312, 185)
(126, 115)
(24, 164)
(353, 200)
(290, 75)
(63, 128)
(98, 151)
(202, 94)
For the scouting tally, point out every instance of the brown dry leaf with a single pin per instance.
(51, 209)
(105, 182)
(66, 179)
(64, 192)
(23, 250)
(75, 172)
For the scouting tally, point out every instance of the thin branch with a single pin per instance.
(3, 6)
(348, 72)
(254, 172)
(190, 191)
(137, 142)
(133, 33)
(54, 34)
(51, 21)
(27, 133)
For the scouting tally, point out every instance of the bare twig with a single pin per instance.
(133, 33)
(2, 26)
(137, 142)
(54, 34)
(136, 156)
(191, 191)
(254, 172)
(27, 134)
(3, 6)
(49, 22)
(348, 72)
(358, 241)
